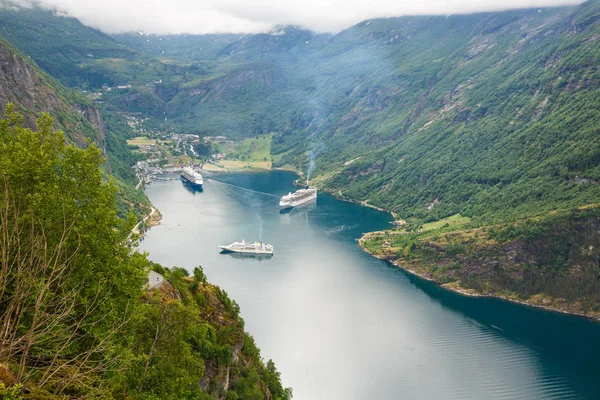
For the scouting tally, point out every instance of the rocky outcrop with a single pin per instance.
(20, 84)
(94, 117)
(550, 263)
(33, 92)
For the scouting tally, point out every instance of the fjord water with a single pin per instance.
(340, 324)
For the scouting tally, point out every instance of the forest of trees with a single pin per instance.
(75, 317)
(552, 261)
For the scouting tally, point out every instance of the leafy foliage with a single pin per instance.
(77, 318)
(34, 92)
(552, 261)
(82, 278)
(178, 341)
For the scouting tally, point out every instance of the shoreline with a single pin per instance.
(153, 219)
(301, 174)
(340, 197)
(456, 288)
(472, 293)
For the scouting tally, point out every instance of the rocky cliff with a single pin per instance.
(34, 92)
(187, 315)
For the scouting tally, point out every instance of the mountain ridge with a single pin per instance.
(430, 108)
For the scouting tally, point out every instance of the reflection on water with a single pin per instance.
(309, 205)
(342, 325)
(191, 189)
(249, 256)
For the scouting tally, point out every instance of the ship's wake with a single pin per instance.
(341, 228)
(245, 189)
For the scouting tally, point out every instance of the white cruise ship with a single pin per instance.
(256, 248)
(298, 197)
(191, 177)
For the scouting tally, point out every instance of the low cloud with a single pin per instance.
(237, 16)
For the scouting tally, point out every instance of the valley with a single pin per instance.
(477, 133)
(490, 116)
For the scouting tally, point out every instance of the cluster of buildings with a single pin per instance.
(217, 139)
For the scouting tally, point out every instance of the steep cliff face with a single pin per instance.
(22, 86)
(34, 92)
(94, 117)
(191, 338)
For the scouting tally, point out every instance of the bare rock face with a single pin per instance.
(19, 84)
(33, 92)
(94, 117)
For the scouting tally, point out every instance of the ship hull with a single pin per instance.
(293, 204)
(248, 252)
(191, 183)
(249, 256)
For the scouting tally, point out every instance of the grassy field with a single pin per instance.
(237, 165)
(278, 157)
(212, 168)
(140, 141)
(455, 221)
(249, 154)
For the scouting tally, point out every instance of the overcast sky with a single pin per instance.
(250, 16)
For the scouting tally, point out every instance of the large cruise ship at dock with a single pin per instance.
(191, 177)
(297, 198)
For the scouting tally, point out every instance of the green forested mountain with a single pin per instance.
(497, 118)
(85, 58)
(33, 91)
(283, 40)
(491, 115)
(191, 47)
(550, 262)
(62, 46)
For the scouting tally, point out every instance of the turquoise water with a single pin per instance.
(340, 324)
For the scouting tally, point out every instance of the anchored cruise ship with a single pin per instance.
(298, 197)
(256, 248)
(191, 177)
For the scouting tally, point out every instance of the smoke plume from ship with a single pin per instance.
(316, 150)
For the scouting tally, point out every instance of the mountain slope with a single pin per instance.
(85, 58)
(483, 114)
(491, 115)
(233, 47)
(33, 91)
(189, 47)
(58, 44)
(510, 136)
(549, 262)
